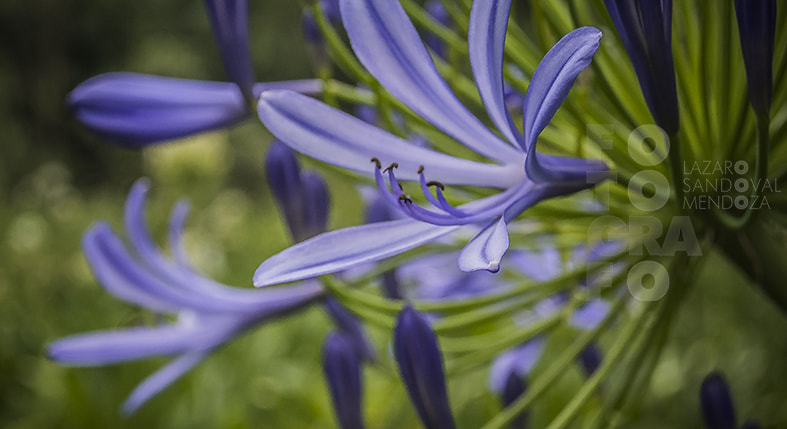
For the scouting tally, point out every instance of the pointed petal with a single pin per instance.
(486, 38)
(335, 137)
(388, 45)
(486, 249)
(160, 380)
(108, 347)
(555, 76)
(338, 250)
(548, 88)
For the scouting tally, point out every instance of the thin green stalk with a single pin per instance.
(556, 370)
(621, 345)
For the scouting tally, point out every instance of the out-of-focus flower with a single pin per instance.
(757, 29)
(137, 109)
(209, 314)
(391, 50)
(421, 366)
(645, 27)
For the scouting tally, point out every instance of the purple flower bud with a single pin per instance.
(302, 198)
(230, 27)
(390, 283)
(757, 28)
(421, 367)
(342, 369)
(590, 358)
(645, 27)
(717, 407)
(316, 203)
(514, 388)
(350, 328)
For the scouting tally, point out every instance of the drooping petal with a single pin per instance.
(486, 249)
(342, 369)
(716, 400)
(335, 137)
(421, 366)
(549, 86)
(160, 380)
(338, 250)
(230, 28)
(386, 42)
(486, 42)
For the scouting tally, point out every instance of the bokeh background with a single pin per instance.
(56, 179)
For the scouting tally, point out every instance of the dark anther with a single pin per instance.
(377, 162)
(405, 198)
(438, 184)
(400, 187)
(391, 167)
(420, 169)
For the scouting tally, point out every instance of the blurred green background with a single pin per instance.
(56, 179)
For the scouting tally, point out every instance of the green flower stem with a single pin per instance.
(341, 55)
(486, 352)
(611, 360)
(556, 370)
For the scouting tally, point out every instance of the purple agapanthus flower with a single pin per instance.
(209, 314)
(137, 109)
(386, 42)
